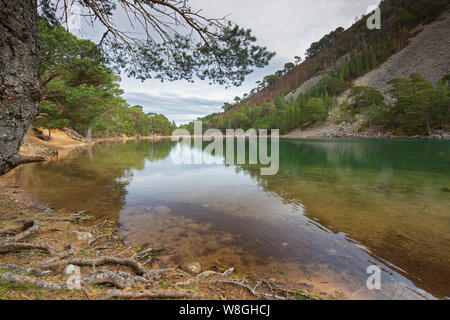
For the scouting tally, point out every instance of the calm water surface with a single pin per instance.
(335, 208)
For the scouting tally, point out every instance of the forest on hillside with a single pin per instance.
(355, 50)
(336, 60)
(417, 108)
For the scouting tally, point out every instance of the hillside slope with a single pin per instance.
(410, 53)
(427, 53)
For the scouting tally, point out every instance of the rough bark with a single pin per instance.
(8, 232)
(12, 278)
(107, 260)
(55, 260)
(24, 271)
(15, 247)
(241, 284)
(203, 276)
(19, 86)
(30, 227)
(153, 294)
(121, 280)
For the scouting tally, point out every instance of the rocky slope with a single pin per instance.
(427, 53)
(331, 129)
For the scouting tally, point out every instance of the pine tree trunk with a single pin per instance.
(19, 86)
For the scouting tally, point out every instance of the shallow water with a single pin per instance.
(335, 208)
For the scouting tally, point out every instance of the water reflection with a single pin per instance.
(334, 208)
(94, 178)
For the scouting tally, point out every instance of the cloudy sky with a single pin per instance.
(287, 27)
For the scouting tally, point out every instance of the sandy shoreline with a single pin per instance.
(61, 143)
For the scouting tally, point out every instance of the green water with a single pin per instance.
(334, 208)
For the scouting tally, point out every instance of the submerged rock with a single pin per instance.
(162, 210)
(194, 268)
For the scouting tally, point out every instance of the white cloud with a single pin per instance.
(287, 27)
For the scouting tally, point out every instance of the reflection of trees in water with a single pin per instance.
(368, 154)
(376, 165)
(385, 194)
(92, 178)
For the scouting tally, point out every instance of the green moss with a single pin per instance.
(165, 285)
(300, 295)
(192, 287)
(84, 253)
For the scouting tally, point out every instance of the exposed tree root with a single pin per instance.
(203, 276)
(14, 247)
(147, 253)
(121, 280)
(30, 227)
(108, 260)
(9, 218)
(98, 238)
(13, 240)
(240, 284)
(8, 277)
(24, 160)
(153, 294)
(156, 274)
(24, 271)
(73, 219)
(8, 232)
(56, 259)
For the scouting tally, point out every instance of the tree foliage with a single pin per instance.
(323, 43)
(81, 91)
(417, 106)
(281, 114)
(170, 40)
(363, 97)
(355, 51)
